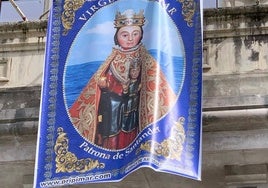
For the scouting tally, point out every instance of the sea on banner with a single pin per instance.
(122, 90)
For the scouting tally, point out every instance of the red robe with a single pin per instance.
(156, 95)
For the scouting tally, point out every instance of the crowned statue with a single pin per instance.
(127, 93)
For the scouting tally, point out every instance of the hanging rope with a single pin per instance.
(17, 9)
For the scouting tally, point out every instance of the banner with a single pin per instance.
(122, 90)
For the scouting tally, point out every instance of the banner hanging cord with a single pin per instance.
(18, 10)
(44, 14)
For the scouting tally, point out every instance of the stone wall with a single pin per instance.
(235, 57)
(235, 94)
(22, 53)
(22, 48)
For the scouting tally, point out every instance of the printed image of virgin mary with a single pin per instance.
(127, 93)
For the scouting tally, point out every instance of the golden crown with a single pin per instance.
(129, 17)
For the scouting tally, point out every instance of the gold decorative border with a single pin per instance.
(67, 161)
(68, 15)
(170, 148)
(188, 11)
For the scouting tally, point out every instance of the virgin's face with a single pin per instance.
(129, 36)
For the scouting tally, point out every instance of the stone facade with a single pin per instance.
(235, 99)
(22, 54)
(236, 3)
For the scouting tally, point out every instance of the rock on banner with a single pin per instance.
(122, 90)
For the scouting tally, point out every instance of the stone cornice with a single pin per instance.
(236, 21)
(23, 26)
(235, 11)
(20, 114)
(19, 110)
(34, 46)
(213, 121)
(22, 36)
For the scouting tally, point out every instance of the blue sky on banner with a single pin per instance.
(98, 33)
(34, 8)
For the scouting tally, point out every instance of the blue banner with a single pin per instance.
(122, 90)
